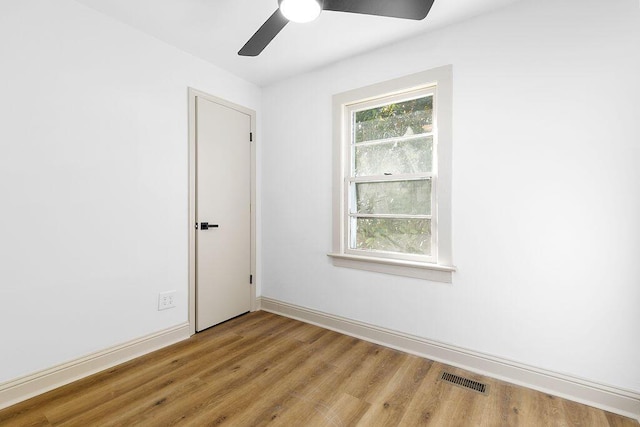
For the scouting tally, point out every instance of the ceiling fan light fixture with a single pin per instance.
(300, 10)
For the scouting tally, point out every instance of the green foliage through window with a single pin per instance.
(411, 236)
(391, 213)
(394, 120)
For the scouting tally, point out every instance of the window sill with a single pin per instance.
(418, 270)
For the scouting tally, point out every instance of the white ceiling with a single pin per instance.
(215, 30)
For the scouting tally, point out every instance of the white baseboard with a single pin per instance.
(23, 388)
(608, 398)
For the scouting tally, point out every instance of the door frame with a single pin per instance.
(193, 95)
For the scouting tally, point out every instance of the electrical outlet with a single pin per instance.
(166, 300)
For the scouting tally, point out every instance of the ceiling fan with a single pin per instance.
(308, 10)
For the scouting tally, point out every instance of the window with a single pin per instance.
(390, 184)
(393, 177)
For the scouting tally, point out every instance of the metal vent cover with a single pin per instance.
(465, 383)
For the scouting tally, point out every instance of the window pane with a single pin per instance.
(396, 157)
(400, 197)
(410, 236)
(409, 117)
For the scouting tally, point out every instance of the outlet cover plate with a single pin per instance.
(166, 300)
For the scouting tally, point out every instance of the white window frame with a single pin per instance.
(350, 180)
(438, 266)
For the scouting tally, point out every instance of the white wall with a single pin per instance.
(93, 180)
(546, 190)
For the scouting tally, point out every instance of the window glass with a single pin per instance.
(390, 184)
(399, 197)
(411, 236)
(398, 156)
(393, 120)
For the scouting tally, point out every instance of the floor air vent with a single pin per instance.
(465, 382)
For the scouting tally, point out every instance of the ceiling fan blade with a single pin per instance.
(264, 35)
(407, 9)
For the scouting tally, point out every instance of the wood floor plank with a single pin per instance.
(616, 420)
(124, 388)
(509, 403)
(371, 375)
(263, 369)
(426, 401)
(345, 410)
(212, 358)
(214, 383)
(27, 419)
(326, 403)
(292, 382)
(390, 405)
(229, 401)
(122, 378)
(582, 415)
(454, 411)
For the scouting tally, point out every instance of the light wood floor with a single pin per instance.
(263, 369)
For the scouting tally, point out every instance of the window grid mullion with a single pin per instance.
(390, 178)
(389, 216)
(390, 140)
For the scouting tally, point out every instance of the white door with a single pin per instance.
(223, 213)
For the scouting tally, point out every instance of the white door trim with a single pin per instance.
(193, 95)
